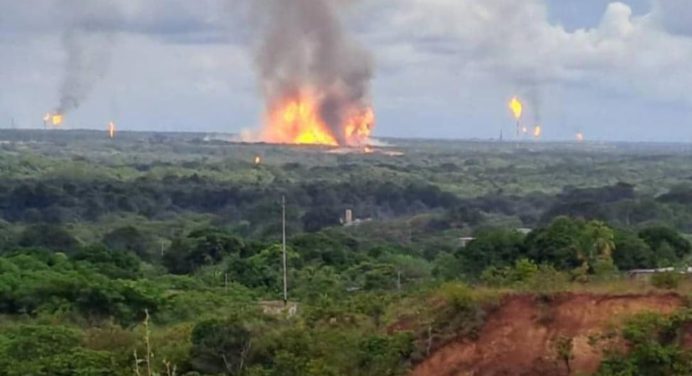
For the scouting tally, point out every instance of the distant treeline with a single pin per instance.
(316, 204)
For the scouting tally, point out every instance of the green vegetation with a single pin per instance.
(159, 254)
(655, 347)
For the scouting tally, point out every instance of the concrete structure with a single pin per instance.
(278, 308)
(348, 218)
(466, 240)
(647, 273)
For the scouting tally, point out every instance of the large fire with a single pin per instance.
(297, 121)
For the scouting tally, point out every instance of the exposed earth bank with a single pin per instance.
(519, 336)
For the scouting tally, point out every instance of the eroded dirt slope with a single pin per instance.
(518, 338)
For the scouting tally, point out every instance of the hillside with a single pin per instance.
(520, 336)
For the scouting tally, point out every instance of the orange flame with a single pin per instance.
(111, 130)
(258, 160)
(297, 121)
(359, 127)
(516, 107)
(537, 131)
(57, 120)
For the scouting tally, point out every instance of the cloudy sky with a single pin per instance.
(444, 68)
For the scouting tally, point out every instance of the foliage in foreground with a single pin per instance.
(654, 347)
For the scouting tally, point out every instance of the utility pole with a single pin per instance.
(283, 247)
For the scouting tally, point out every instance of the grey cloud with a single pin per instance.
(167, 19)
(89, 27)
(675, 15)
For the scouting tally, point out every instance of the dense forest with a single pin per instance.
(159, 254)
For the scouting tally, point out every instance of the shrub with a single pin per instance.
(461, 314)
(654, 347)
(666, 280)
(220, 346)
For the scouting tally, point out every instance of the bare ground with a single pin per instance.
(518, 338)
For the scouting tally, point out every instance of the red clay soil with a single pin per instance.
(519, 337)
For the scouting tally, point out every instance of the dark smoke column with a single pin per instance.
(305, 48)
(88, 58)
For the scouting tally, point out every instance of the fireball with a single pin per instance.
(298, 121)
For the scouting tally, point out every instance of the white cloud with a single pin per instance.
(514, 40)
(492, 48)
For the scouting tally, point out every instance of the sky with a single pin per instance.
(617, 71)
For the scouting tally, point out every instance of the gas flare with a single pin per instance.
(53, 119)
(298, 121)
(111, 130)
(516, 107)
(258, 160)
(537, 131)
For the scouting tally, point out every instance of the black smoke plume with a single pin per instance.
(305, 47)
(88, 58)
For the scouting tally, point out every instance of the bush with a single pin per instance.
(220, 346)
(654, 347)
(547, 279)
(523, 273)
(43, 350)
(461, 314)
(666, 280)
